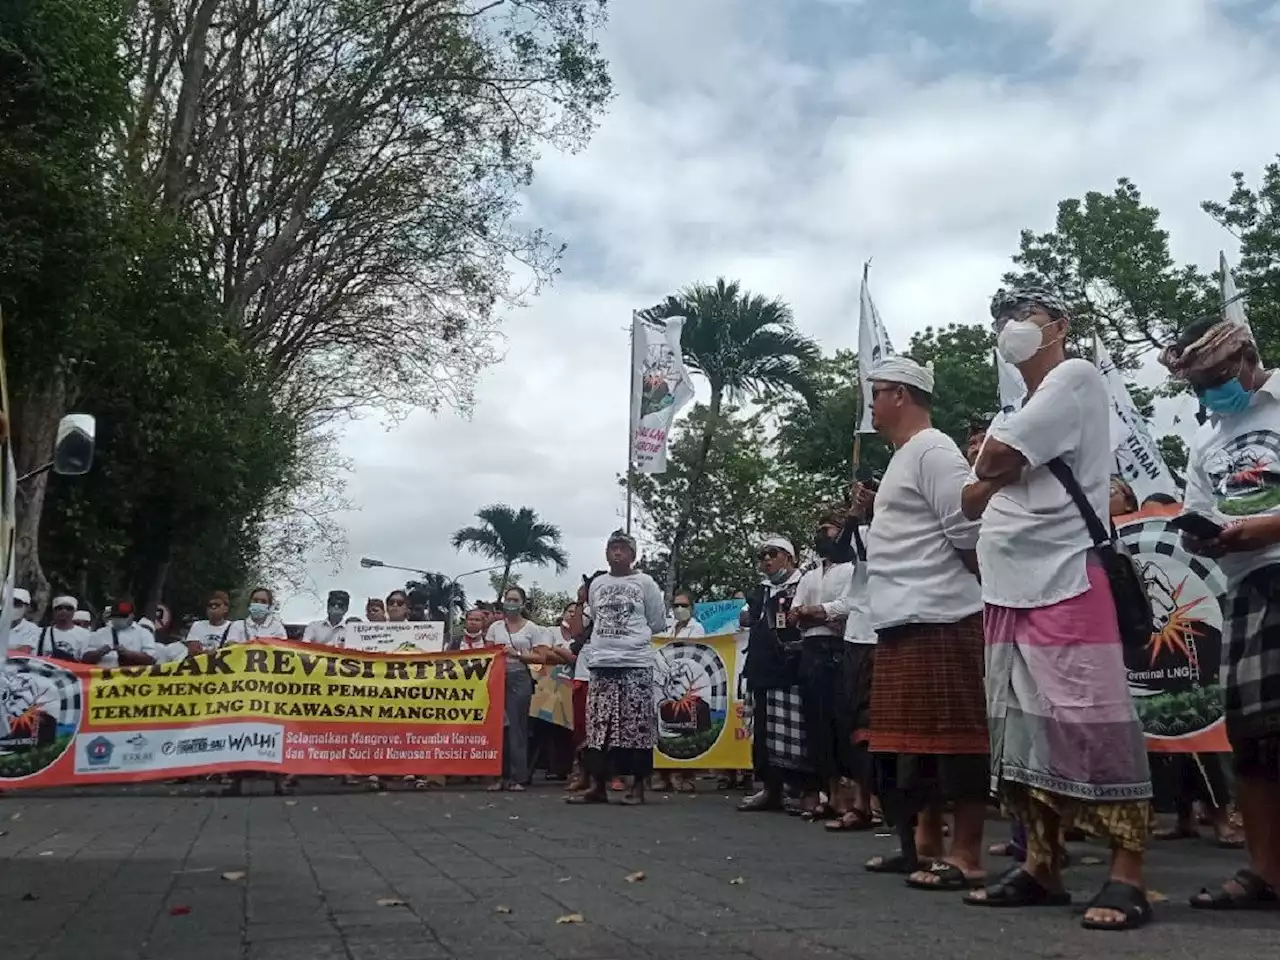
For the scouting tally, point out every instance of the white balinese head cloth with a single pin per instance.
(777, 542)
(903, 370)
(71, 602)
(82, 616)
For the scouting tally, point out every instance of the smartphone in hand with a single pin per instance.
(1196, 525)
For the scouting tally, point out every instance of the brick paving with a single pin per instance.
(337, 874)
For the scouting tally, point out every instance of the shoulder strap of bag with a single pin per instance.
(225, 633)
(1058, 467)
(44, 635)
(115, 637)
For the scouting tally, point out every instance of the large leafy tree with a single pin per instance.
(747, 492)
(744, 345)
(511, 536)
(1109, 258)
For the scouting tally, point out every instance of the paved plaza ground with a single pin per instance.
(335, 873)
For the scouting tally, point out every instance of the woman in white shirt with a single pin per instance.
(522, 638)
(263, 625)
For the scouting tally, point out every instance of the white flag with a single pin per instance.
(1012, 387)
(1138, 459)
(1234, 309)
(873, 346)
(660, 386)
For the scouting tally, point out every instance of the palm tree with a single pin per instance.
(744, 345)
(509, 536)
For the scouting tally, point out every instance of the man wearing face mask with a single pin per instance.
(779, 751)
(1233, 480)
(23, 634)
(821, 607)
(121, 642)
(1067, 749)
(332, 631)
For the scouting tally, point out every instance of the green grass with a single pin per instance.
(1178, 714)
(691, 745)
(26, 762)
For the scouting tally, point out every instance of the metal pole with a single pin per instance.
(631, 353)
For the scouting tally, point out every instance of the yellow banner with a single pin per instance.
(703, 722)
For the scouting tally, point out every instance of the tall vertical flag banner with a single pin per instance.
(873, 346)
(1012, 387)
(660, 386)
(1233, 308)
(1138, 459)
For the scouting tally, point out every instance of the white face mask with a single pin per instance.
(1019, 341)
(682, 614)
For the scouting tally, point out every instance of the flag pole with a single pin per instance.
(631, 354)
(862, 400)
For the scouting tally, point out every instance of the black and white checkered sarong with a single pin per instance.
(1251, 658)
(784, 730)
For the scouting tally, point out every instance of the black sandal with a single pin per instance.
(1124, 898)
(855, 820)
(897, 863)
(950, 878)
(1257, 895)
(1017, 888)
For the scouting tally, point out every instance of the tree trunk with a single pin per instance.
(506, 578)
(34, 430)
(695, 486)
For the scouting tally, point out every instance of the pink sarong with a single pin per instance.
(1058, 701)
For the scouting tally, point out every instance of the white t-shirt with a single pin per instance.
(689, 630)
(272, 628)
(325, 633)
(1034, 542)
(212, 637)
(914, 570)
(628, 613)
(133, 638)
(23, 637)
(68, 644)
(829, 589)
(858, 628)
(1233, 472)
(529, 635)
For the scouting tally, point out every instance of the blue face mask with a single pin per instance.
(1229, 397)
(259, 611)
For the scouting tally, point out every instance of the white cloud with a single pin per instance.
(736, 147)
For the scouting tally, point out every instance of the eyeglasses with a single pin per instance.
(1023, 311)
(72, 609)
(877, 391)
(396, 603)
(680, 606)
(769, 554)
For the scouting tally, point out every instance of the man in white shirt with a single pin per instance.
(121, 642)
(62, 639)
(928, 709)
(216, 631)
(1067, 749)
(1233, 480)
(23, 634)
(332, 631)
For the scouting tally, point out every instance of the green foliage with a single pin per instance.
(691, 745)
(1108, 257)
(747, 493)
(23, 763)
(509, 536)
(1179, 714)
(1252, 214)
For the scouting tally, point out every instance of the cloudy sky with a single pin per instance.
(783, 142)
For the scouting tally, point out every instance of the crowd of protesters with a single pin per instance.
(955, 637)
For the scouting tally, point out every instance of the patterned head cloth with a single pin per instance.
(832, 514)
(1207, 350)
(1008, 300)
(621, 536)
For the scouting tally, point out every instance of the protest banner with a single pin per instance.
(1174, 677)
(279, 708)
(701, 717)
(660, 386)
(719, 616)
(407, 636)
(552, 698)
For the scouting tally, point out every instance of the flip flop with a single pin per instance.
(950, 878)
(854, 820)
(1257, 895)
(1017, 888)
(1125, 899)
(895, 864)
